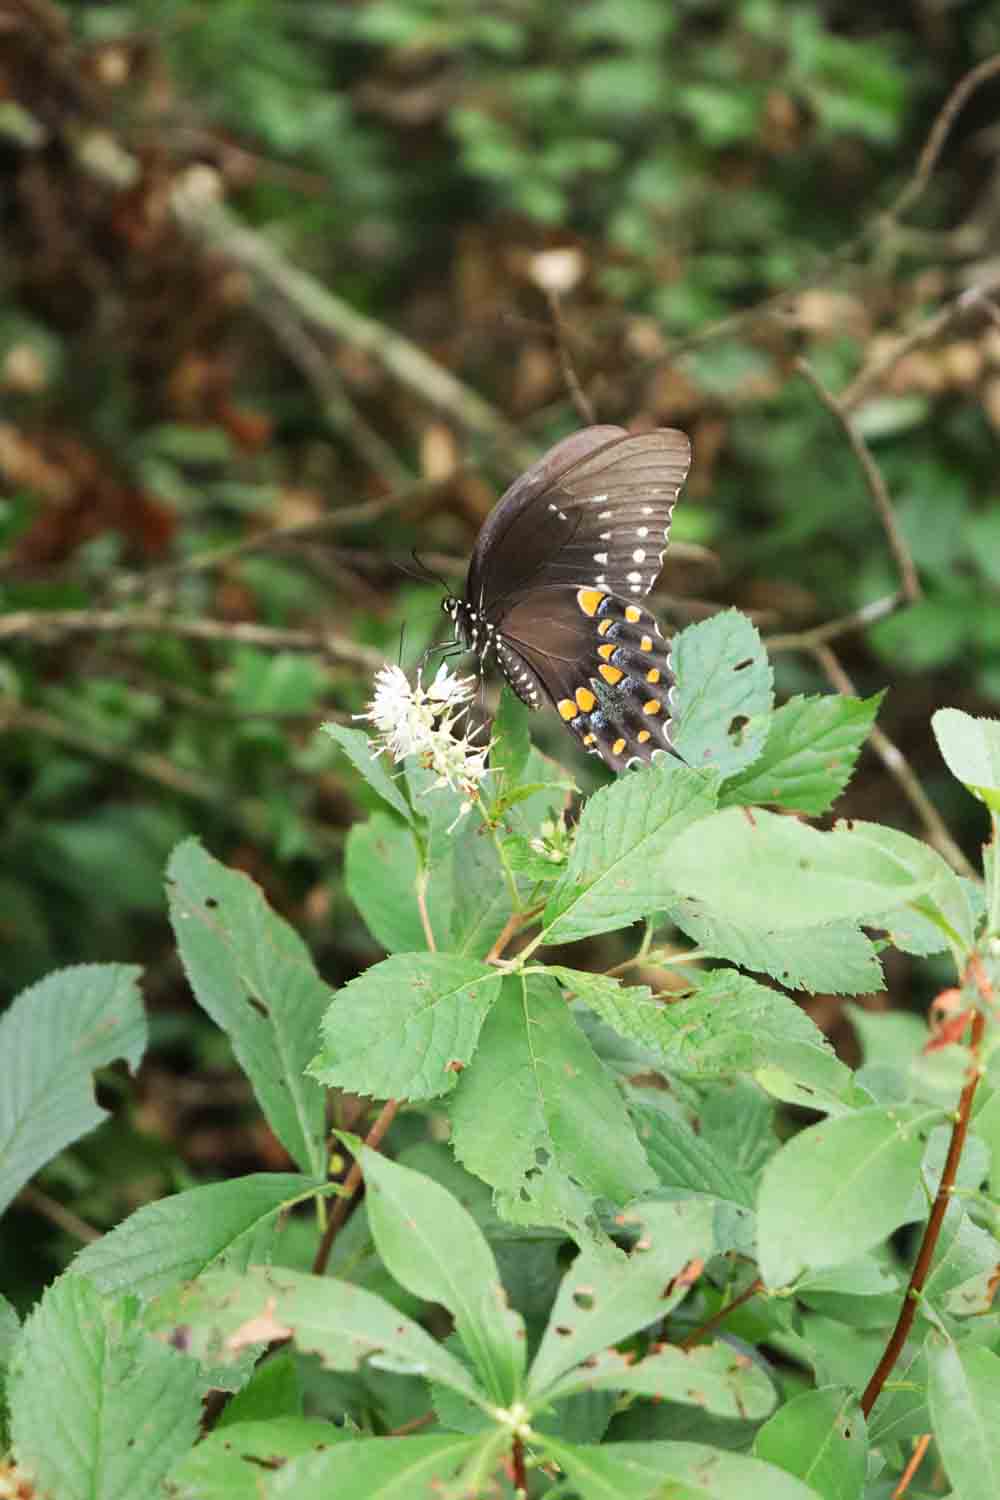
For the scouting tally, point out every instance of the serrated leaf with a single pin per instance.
(601, 1301)
(357, 747)
(51, 1039)
(821, 1438)
(971, 751)
(536, 1086)
(764, 870)
(381, 871)
(98, 1407)
(377, 1469)
(682, 1159)
(407, 1027)
(837, 1189)
(255, 977)
(722, 698)
(229, 1463)
(621, 864)
(835, 959)
(731, 1024)
(511, 740)
(811, 750)
(225, 1312)
(964, 1392)
(433, 1247)
(480, 898)
(177, 1238)
(682, 1471)
(715, 1377)
(943, 898)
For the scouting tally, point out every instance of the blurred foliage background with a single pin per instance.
(292, 287)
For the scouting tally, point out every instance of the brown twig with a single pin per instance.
(974, 298)
(928, 1244)
(939, 132)
(916, 1459)
(580, 399)
(902, 773)
(50, 625)
(820, 635)
(58, 1214)
(352, 1182)
(511, 927)
(873, 478)
(519, 1473)
(710, 1325)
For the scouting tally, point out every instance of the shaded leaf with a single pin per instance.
(51, 1039)
(820, 1437)
(836, 959)
(229, 1463)
(255, 977)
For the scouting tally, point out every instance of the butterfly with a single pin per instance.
(555, 581)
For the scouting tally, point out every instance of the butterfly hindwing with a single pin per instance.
(605, 668)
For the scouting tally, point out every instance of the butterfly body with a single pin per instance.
(555, 580)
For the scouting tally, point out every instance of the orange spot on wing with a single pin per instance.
(646, 644)
(617, 747)
(567, 708)
(643, 736)
(653, 675)
(604, 627)
(632, 613)
(611, 674)
(652, 707)
(585, 699)
(607, 650)
(589, 600)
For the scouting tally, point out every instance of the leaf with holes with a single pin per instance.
(536, 1099)
(680, 1471)
(224, 1313)
(715, 1377)
(723, 695)
(228, 1463)
(383, 1468)
(51, 1039)
(602, 1301)
(255, 977)
(819, 1436)
(811, 750)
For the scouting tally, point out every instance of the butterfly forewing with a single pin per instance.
(555, 582)
(595, 509)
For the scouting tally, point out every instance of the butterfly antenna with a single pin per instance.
(429, 574)
(402, 637)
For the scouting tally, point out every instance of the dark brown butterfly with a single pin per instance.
(555, 581)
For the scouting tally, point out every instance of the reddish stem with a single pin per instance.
(352, 1182)
(520, 1473)
(928, 1244)
(713, 1322)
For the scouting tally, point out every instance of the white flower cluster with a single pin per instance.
(414, 720)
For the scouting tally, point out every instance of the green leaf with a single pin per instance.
(51, 1039)
(722, 698)
(838, 1189)
(357, 747)
(964, 1392)
(764, 870)
(682, 1471)
(274, 1390)
(433, 1247)
(511, 740)
(682, 1159)
(480, 896)
(601, 1300)
(731, 1024)
(713, 1376)
(836, 959)
(381, 870)
(378, 1469)
(255, 977)
(943, 898)
(536, 1086)
(987, 1127)
(174, 1240)
(225, 1312)
(230, 1462)
(407, 1027)
(98, 1407)
(971, 751)
(811, 750)
(621, 864)
(821, 1438)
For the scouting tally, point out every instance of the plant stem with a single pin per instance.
(713, 1322)
(517, 1464)
(928, 1245)
(352, 1182)
(425, 919)
(916, 1459)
